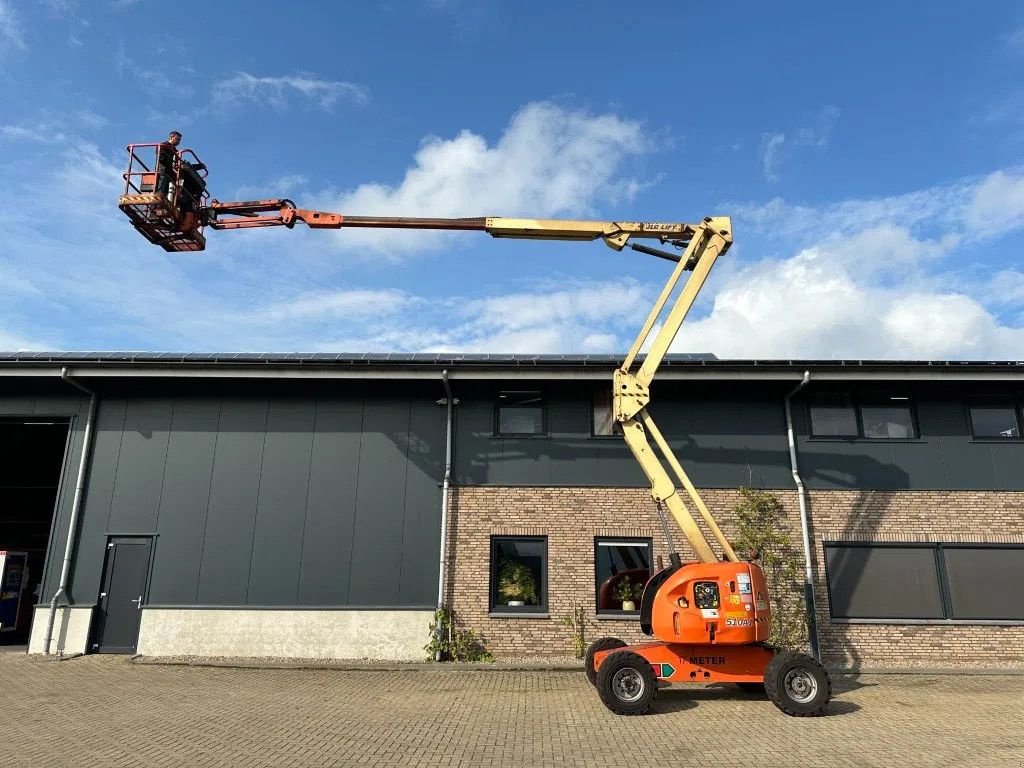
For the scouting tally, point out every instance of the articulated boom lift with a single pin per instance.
(710, 619)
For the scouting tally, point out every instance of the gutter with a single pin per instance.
(812, 621)
(449, 402)
(76, 507)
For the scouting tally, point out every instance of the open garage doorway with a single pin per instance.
(31, 462)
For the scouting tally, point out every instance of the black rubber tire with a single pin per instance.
(643, 673)
(786, 663)
(756, 689)
(601, 644)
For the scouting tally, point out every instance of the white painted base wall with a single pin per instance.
(377, 635)
(70, 629)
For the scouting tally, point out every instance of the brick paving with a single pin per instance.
(110, 711)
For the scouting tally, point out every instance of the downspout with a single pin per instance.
(76, 506)
(449, 401)
(812, 621)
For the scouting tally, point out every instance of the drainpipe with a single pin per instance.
(76, 506)
(448, 401)
(812, 621)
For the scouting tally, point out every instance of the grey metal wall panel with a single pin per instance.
(421, 532)
(183, 503)
(281, 508)
(230, 519)
(380, 504)
(95, 514)
(331, 503)
(968, 465)
(17, 405)
(1008, 465)
(143, 454)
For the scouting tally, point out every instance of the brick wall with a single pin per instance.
(572, 517)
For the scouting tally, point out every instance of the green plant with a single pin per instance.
(762, 537)
(517, 582)
(627, 589)
(576, 620)
(452, 643)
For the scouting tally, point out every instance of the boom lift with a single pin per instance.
(710, 619)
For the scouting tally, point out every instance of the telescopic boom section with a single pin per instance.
(283, 213)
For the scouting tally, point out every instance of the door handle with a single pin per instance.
(137, 601)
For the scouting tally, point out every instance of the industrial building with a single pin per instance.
(293, 505)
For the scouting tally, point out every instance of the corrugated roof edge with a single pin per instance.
(398, 360)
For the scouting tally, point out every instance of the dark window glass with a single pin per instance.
(879, 582)
(520, 413)
(994, 421)
(519, 581)
(604, 419)
(622, 567)
(985, 582)
(888, 420)
(833, 416)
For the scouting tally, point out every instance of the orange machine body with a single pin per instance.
(710, 621)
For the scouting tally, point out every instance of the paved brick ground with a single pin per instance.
(108, 711)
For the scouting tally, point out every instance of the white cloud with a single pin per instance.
(865, 281)
(276, 91)
(997, 203)
(53, 127)
(11, 34)
(771, 154)
(550, 161)
(338, 304)
(776, 146)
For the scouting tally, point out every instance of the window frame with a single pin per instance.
(1015, 403)
(631, 540)
(538, 611)
(859, 401)
(521, 435)
(616, 432)
(937, 548)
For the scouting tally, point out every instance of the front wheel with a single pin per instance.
(626, 683)
(601, 644)
(797, 684)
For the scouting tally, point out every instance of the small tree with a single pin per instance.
(762, 538)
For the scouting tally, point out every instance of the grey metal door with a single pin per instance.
(125, 574)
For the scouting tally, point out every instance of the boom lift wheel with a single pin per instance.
(626, 683)
(601, 644)
(797, 684)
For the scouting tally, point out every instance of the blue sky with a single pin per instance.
(871, 156)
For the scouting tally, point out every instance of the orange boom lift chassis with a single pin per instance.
(710, 618)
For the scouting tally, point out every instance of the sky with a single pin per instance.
(871, 156)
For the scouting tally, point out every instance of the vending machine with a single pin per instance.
(12, 582)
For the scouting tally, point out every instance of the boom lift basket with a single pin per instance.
(166, 211)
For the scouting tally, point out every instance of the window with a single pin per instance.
(959, 582)
(621, 568)
(872, 418)
(890, 420)
(833, 416)
(521, 413)
(604, 423)
(994, 418)
(519, 574)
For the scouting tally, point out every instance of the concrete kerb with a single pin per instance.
(359, 665)
(512, 665)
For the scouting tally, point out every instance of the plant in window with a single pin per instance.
(626, 591)
(516, 584)
(762, 522)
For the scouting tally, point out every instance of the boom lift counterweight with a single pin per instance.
(710, 619)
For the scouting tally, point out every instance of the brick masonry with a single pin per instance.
(572, 517)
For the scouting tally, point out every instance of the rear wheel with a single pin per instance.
(797, 684)
(601, 644)
(626, 683)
